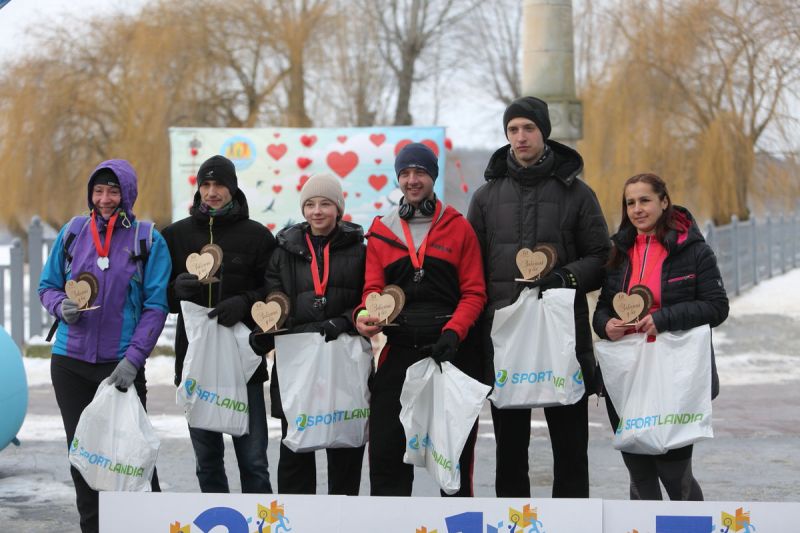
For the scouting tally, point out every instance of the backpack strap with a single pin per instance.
(75, 228)
(142, 241)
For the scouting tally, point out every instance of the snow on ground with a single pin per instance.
(779, 295)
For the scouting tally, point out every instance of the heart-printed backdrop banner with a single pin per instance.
(272, 165)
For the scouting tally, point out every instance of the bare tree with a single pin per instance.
(407, 29)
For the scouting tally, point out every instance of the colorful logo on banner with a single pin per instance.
(738, 522)
(525, 521)
(273, 164)
(271, 519)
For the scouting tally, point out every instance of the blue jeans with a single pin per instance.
(251, 451)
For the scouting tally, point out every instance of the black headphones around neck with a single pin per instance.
(427, 208)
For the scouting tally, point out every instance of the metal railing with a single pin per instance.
(755, 250)
(747, 252)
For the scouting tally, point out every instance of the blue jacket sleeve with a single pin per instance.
(53, 279)
(154, 307)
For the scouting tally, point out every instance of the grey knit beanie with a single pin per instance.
(326, 186)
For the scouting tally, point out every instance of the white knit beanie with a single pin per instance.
(326, 186)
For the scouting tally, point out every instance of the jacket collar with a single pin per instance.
(566, 165)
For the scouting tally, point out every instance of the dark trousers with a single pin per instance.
(673, 469)
(297, 472)
(388, 474)
(75, 383)
(568, 426)
(250, 449)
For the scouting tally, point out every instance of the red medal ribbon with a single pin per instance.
(319, 285)
(102, 251)
(418, 259)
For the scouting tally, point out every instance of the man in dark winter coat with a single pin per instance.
(533, 196)
(220, 216)
(430, 251)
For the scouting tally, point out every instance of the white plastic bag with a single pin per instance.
(323, 387)
(438, 410)
(115, 446)
(218, 364)
(661, 390)
(534, 351)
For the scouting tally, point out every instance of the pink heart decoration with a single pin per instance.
(347, 218)
(378, 161)
(342, 163)
(308, 140)
(276, 150)
(276, 135)
(377, 138)
(192, 180)
(378, 205)
(277, 189)
(341, 138)
(271, 226)
(303, 162)
(193, 151)
(378, 181)
(448, 143)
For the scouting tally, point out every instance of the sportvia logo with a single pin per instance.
(413, 442)
(577, 377)
(501, 378)
(190, 384)
(301, 421)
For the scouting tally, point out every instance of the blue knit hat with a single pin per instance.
(417, 155)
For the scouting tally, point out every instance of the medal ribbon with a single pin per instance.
(643, 274)
(102, 251)
(418, 259)
(320, 285)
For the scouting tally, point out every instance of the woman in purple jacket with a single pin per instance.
(131, 263)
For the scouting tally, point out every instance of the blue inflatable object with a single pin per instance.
(13, 390)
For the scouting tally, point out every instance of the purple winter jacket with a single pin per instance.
(133, 306)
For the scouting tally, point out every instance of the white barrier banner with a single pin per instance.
(698, 517)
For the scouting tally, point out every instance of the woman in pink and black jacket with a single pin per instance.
(659, 245)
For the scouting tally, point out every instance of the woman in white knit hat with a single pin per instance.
(319, 264)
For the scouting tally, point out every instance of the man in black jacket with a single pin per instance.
(533, 196)
(220, 216)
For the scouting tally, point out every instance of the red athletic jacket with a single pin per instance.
(450, 295)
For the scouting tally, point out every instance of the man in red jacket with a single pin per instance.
(431, 252)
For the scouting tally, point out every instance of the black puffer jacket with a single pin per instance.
(289, 271)
(692, 293)
(246, 248)
(522, 207)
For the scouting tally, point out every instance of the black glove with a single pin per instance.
(557, 279)
(261, 343)
(229, 311)
(186, 286)
(445, 348)
(334, 327)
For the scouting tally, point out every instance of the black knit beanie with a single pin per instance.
(531, 108)
(221, 170)
(417, 155)
(105, 176)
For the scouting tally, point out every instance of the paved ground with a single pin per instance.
(755, 455)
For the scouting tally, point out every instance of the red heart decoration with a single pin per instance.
(377, 138)
(347, 218)
(464, 188)
(378, 181)
(308, 140)
(271, 226)
(378, 161)
(344, 194)
(427, 142)
(193, 151)
(192, 180)
(277, 171)
(341, 138)
(378, 205)
(303, 162)
(276, 150)
(276, 135)
(277, 189)
(303, 180)
(448, 143)
(358, 195)
(342, 164)
(458, 163)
